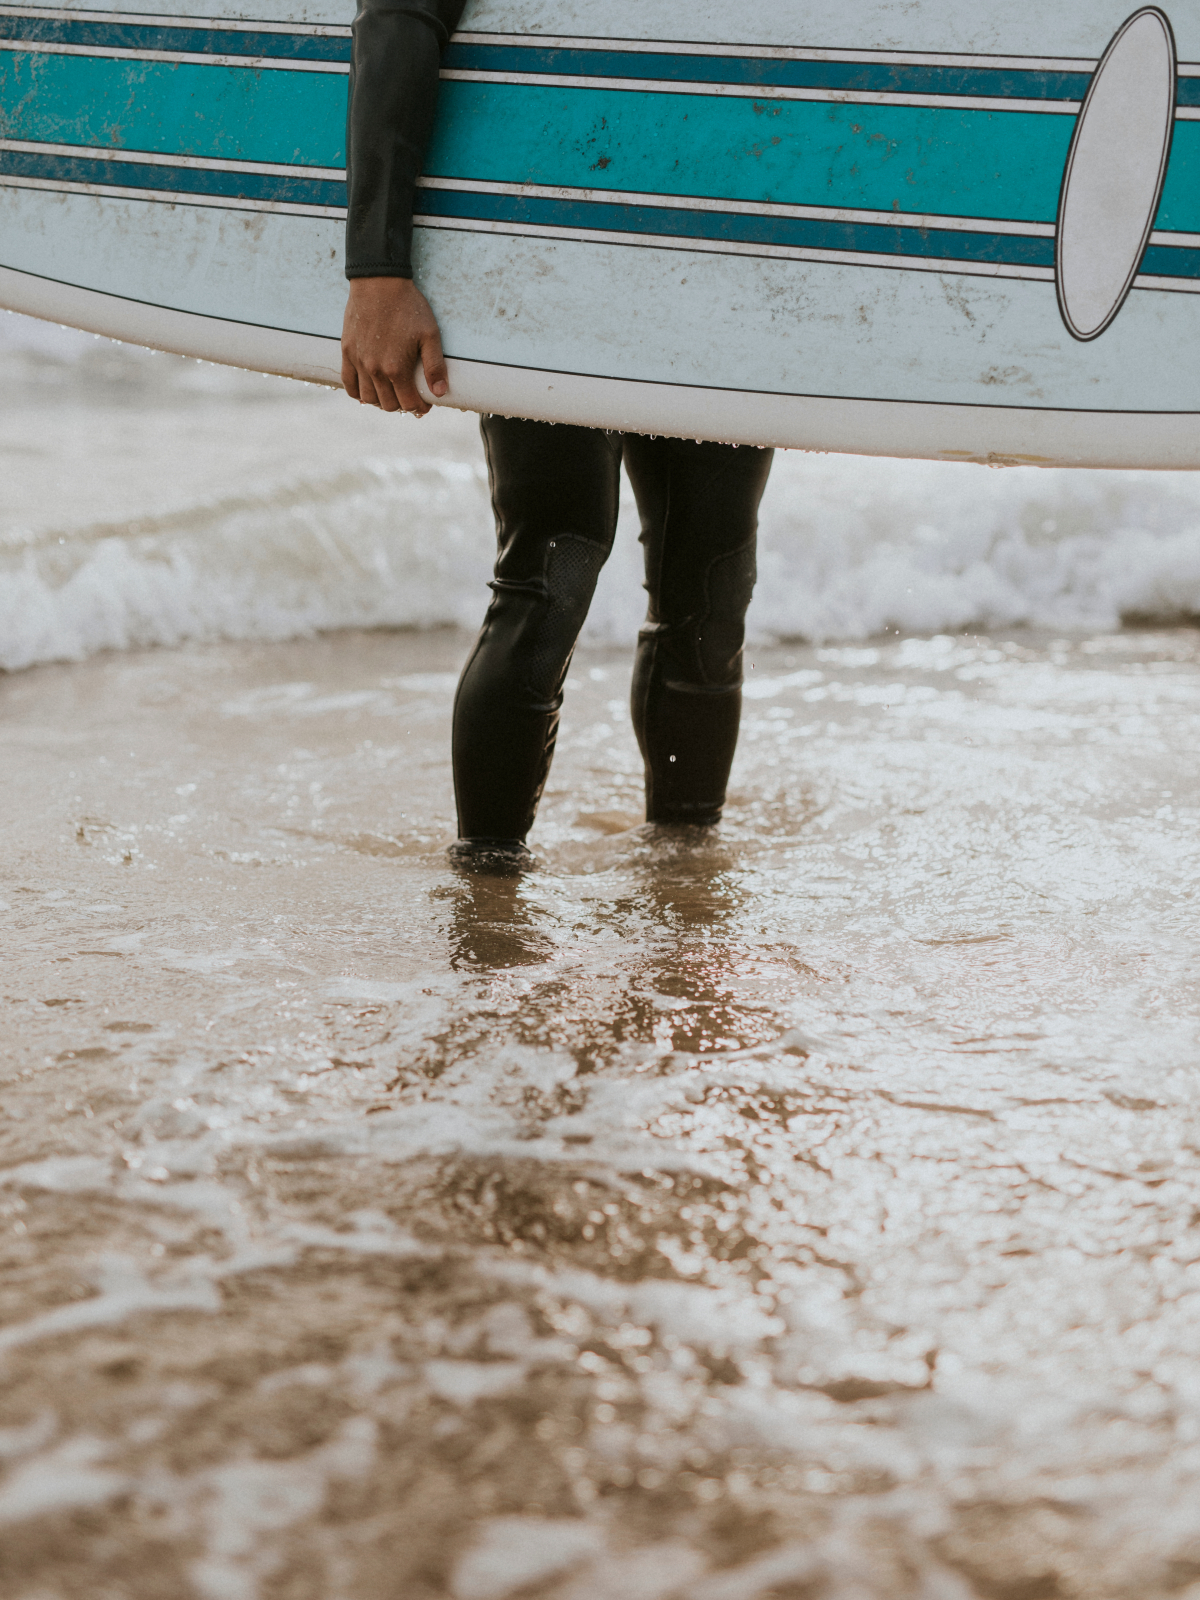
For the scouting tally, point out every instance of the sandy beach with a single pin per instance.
(808, 1210)
(805, 1211)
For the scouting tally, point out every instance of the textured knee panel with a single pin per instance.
(572, 568)
(729, 588)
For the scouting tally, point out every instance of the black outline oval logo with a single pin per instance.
(1084, 182)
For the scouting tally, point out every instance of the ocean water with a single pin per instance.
(808, 1211)
(804, 1209)
(150, 499)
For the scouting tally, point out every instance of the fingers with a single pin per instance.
(405, 389)
(434, 364)
(369, 388)
(349, 375)
(372, 383)
(390, 344)
(380, 391)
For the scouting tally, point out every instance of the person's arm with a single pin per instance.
(389, 328)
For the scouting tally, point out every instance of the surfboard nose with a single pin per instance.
(1115, 171)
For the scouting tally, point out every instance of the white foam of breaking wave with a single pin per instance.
(315, 554)
(329, 533)
(852, 548)
(849, 549)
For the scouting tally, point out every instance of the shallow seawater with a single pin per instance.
(808, 1210)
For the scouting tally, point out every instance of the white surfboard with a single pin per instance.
(932, 230)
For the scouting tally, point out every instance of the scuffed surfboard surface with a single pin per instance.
(838, 230)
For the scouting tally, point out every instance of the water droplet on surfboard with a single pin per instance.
(1115, 172)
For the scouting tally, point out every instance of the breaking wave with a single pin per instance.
(227, 505)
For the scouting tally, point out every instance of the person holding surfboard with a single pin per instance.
(554, 491)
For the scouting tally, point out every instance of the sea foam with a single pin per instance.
(153, 499)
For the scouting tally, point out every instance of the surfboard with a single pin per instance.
(937, 229)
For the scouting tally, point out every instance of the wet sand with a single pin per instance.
(806, 1212)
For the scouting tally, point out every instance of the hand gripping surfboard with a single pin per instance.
(936, 229)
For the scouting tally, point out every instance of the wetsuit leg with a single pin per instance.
(699, 512)
(554, 492)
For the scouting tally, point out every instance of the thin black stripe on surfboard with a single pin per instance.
(739, 227)
(595, 61)
(183, 180)
(759, 72)
(101, 295)
(897, 243)
(172, 38)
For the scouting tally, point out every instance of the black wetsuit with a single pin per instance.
(554, 492)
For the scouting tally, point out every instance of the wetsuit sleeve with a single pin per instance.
(393, 95)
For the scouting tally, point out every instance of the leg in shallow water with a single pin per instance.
(699, 511)
(554, 491)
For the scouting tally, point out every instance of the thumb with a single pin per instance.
(434, 364)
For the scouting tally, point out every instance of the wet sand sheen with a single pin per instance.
(808, 1210)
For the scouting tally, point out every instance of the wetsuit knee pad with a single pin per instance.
(729, 588)
(571, 568)
(704, 652)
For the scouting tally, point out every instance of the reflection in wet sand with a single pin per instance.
(805, 1210)
(494, 925)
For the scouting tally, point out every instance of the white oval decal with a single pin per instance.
(1115, 172)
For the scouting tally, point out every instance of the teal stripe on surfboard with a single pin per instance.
(222, 113)
(940, 161)
(944, 161)
(1179, 209)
